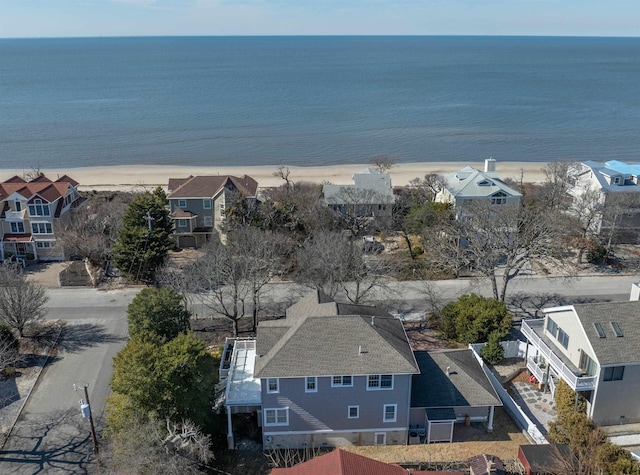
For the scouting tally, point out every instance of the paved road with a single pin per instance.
(51, 436)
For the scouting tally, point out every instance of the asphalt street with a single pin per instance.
(52, 437)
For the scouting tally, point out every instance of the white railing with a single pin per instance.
(577, 383)
(15, 215)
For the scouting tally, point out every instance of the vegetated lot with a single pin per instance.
(502, 442)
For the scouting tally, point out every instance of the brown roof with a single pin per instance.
(41, 186)
(205, 186)
(181, 213)
(17, 237)
(67, 179)
(341, 462)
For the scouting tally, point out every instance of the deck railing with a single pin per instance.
(577, 383)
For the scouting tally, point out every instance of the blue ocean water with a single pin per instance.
(316, 100)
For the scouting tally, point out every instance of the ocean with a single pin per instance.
(223, 101)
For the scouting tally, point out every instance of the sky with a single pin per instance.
(79, 18)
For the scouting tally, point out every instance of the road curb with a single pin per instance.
(47, 356)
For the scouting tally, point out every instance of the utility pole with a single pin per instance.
(85, 407)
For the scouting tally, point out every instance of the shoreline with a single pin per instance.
(136, 177)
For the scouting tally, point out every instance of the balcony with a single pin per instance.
(559, 364)
(15, 216)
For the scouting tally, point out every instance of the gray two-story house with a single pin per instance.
(370, 195)
(595, 349)
(198, 204)
(334, 374)
(31, 213)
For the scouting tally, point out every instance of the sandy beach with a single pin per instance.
(137, 177)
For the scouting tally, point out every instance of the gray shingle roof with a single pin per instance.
(612, 349)
(333, 344)
(466, 182)
(467, 385)
(204, 186)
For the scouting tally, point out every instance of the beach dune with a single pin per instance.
(136, 177)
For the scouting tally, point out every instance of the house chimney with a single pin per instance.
(490, 165)
(373, 320)
(635, 292)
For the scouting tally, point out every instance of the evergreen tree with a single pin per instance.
(157, 314)
(472, 318)
(143, 240)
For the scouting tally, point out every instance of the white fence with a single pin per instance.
(512, 349)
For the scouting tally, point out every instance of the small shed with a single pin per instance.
(440, 425)
(545, 459)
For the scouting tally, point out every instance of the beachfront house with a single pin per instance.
(333, 374)
(469, 186)
(606, 198)
(198, 204)
(370, 195)
(595, 349)
(31, 213)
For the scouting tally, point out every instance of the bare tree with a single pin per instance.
(284, 173)
(620, 218)
(383, 163)
(334, 263)
(557, 183)
(92, 230)
(358, 208)
(498, 242)
(426, 188)
(22, 301)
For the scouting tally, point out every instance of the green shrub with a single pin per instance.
(492, 352)
(472, 318)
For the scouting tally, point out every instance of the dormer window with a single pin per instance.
(485, 183)
(38, 208)
(617, 180)
(18, 205)
(499, 198)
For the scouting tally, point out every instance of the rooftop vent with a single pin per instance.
(599, 329)
(616, 329)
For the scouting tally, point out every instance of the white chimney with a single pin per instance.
(490, 165)
(635, 292)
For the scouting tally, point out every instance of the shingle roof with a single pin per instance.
(612, 168)
(546, 458)
(466, 385)
(204, 186)
(341, 462)
(333, 343)
(40, 186)
(612, 349)
(466, 182)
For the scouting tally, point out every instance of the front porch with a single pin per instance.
(549, 364)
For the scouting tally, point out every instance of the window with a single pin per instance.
(39, 209)
(552, 327)
(599, 330)
(563, 338)
(273, 385)
(390, 412)
(337, 381)
(380, 381)
(276, 417)
(182, 203)
(41, 228)
(380, 438)
(18, 206)
(17, 227)
(499, 198)
(43, 244)
(616, 329)
(354, 412)
(206, 204)
(183, 223)
(587, 364)
(310, 384)
(208, 221)
(614, 373)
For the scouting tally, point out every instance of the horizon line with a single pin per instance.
(323, 36)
